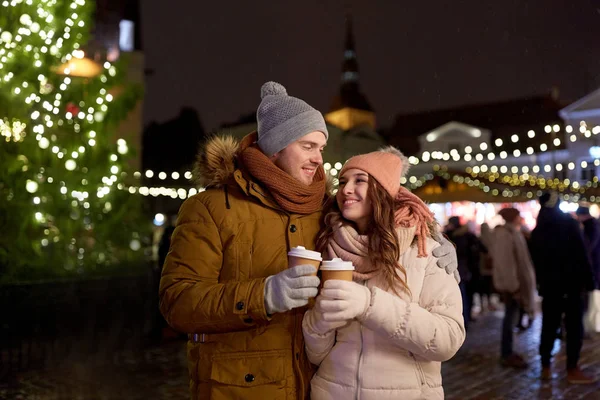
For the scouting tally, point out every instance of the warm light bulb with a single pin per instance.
(70, 165)
(31, 186)
(44, 143)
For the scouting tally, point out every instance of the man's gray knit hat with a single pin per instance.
(283, 119)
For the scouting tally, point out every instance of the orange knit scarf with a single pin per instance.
(412, 211)
(291, 195)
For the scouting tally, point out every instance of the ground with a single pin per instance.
(160, 372)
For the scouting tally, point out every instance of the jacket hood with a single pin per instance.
(215, 162)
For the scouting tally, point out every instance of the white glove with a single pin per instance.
(290, 288)
(446, 255)
(343, 300)
(314, 321)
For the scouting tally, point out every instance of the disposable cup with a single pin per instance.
(300, 256)
(336, 269)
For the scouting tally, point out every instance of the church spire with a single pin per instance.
(350, 108)
(350, 63)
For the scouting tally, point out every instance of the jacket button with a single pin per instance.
(293, 228)
(249, 378)
(239, 306)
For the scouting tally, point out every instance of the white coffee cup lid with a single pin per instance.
(337, 264)
(301, 252)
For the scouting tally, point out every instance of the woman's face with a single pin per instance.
(352, 198)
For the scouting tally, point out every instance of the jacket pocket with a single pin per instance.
(246, 375)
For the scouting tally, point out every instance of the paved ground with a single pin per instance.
(160, 373)
(474, 373)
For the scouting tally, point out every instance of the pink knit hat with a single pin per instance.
(387, 165)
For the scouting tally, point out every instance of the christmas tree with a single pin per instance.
(65, 208)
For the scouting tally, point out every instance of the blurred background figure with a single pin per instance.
(468, 248)
(163, 331)
(486, 284)
(514, 278)
(165, 241)
(591, 240)
(564, 276)
(520, 325)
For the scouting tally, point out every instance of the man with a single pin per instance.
(226, 279)
(564, 276)
(514, 278)
(591, 235)
(468, 249)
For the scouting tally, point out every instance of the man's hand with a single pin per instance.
(446, 255)
(290, 288)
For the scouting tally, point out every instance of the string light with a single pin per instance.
(467, 156)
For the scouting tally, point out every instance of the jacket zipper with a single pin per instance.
(360, 357)
(419, 368)
(296, 361)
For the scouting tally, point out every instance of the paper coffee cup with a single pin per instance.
(300, 256)
(336, 269)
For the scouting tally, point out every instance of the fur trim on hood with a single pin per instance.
(215, 162)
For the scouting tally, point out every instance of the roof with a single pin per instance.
(503, 119)
(583, 108)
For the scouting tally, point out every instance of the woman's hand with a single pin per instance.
(343, 300)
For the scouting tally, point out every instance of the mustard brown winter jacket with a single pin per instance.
(227, 241)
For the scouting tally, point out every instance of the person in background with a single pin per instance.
(165, 240)
(514, 279)
(522, 313)
(591, 239)
(161, 330)
(564, 277)
(468, 248)
(486, 283)
(591, 236)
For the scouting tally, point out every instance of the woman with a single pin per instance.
(514, 278)
(384, 335)
(486, 283)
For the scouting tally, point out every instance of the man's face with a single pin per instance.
(302, 157)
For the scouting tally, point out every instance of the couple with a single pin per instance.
(226, 279)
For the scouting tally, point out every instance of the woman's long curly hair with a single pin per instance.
(384, 247)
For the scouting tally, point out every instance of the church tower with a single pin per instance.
(350, 108)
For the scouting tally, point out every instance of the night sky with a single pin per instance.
(214, 56)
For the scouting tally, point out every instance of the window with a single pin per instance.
(588, 173)
(126, 35)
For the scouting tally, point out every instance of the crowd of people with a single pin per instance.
(259, 327)
(558, 261)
